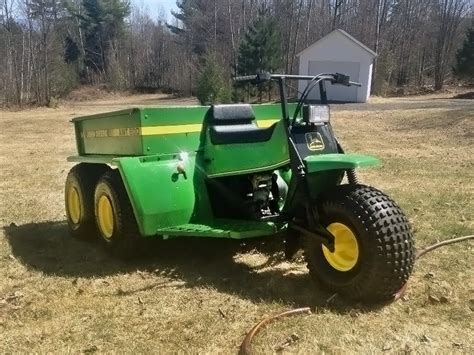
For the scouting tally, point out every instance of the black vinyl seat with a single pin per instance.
(231, 124)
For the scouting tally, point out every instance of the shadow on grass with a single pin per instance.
(194, 262)
(465, 96)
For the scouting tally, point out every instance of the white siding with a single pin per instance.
(342, 93)
(338, 53)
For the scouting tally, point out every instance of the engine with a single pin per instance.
(253, 196)
(260, 196)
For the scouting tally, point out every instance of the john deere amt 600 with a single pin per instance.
(240, 171)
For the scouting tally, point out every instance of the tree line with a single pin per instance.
(49, 47)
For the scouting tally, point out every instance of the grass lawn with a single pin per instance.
(61, 295)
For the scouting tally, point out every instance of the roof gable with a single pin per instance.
(346, 35)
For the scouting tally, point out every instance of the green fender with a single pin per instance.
(324, 162)
(160, 196)
(324, 172)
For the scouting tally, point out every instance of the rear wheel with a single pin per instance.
(114, 217)
(79, 199)
(374, 248)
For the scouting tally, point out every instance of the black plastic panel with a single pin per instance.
(314, 139)
(243, 133)
(232, 114)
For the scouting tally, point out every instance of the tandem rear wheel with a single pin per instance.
(79, 199)
(97, 206)
(116, 223)
(374, 249)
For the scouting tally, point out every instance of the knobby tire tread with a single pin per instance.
(125, 243)
(388, 248)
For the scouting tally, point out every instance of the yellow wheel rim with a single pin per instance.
(346, 248)
(74, 205)
(105, 216)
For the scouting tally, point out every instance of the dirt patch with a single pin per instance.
(61, 295)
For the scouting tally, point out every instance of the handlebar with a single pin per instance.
(336, 78)
(245, 78)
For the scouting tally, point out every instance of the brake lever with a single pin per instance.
(341, 79)
(262, 78)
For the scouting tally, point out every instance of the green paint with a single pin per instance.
(99, 134)
(160, 196)
(101, 123)
(232, 159)
(323, 162)
(233, 229)
(151, 146)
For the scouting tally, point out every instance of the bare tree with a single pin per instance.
(447, 15)
(48, 46)
(11, 29)
(45, 12)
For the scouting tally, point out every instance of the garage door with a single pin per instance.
(336, 92)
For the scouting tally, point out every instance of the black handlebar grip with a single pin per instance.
(355, 83)
(245, 78)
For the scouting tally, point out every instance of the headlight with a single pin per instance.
(316, 114)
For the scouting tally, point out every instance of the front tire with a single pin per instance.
(114, 217)
(374, 247)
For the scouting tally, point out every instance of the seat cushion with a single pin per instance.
(232, 114)
(240, 133)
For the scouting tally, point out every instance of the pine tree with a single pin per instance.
(103, 23)
(71, 50)
(260, 48)
(211, 86)
(465, 57)
(198, 25)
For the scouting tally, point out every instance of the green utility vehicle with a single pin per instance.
(240, 171)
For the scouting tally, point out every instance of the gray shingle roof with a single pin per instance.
(347, 35)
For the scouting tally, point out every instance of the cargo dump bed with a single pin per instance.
(150, 131)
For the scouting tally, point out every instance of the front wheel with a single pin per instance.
(374, 248)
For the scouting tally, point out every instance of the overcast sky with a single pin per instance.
(155, 6)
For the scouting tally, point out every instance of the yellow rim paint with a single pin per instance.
(105, 216)
(74, 205)
(346, 248)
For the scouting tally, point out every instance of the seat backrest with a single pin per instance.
(232, 114)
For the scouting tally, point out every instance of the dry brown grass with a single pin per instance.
(60, 295)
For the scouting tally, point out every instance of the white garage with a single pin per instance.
(339, 52)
